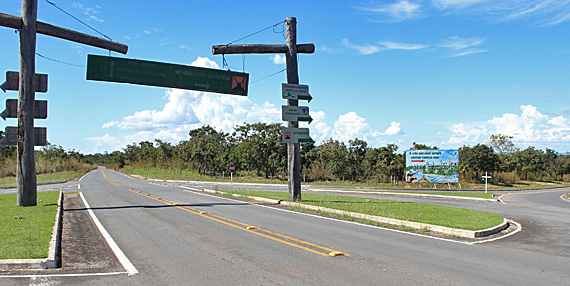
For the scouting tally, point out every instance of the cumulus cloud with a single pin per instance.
(278, 59)
(186, 110)
(530, 127)
(394, 129)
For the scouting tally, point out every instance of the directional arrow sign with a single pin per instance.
(295, 113)
(115, 69)
(11, 136)
(13, 82)
(295, 91)
(11, 111)
(296, 135)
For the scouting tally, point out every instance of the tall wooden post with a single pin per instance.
(293, 153)
(26, 166)
(29, 26)
(290, 49)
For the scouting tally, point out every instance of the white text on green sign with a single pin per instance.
(295, 91)
(115, 69)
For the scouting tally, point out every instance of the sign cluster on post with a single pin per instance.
(295, 113)
(11, 110)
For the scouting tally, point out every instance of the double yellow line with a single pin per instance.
(304, 245)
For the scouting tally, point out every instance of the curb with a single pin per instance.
(407, 195)
(436, 228)
(54, 254)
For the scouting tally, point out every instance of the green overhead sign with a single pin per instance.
(115, 69)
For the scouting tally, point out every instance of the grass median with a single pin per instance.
(481, 195)
(416, 212)
(25, 232)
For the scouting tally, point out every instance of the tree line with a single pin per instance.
(256, 150)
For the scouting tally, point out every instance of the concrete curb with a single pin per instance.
(54, 254)
(406, 195)
(217, 183)
(416, 225)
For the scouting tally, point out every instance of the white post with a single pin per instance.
(486, 177)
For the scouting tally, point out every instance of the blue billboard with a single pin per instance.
(432, 166)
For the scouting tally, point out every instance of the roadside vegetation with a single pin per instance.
(416, 212)
(259, 156)
(53, 164)
(26, 231)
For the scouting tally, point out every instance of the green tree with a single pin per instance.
(502, 144)
(417, 146)
(261, 147)
(356, 154)
(478, 159)
(206, 144)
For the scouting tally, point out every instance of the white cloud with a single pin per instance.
(463, 46)
(383, 46)
(396, 12)
(542, 13)
(467, 134)
(278, 59)
(530, 128)
(394, 129)
(456, 4)
(186, 110)
(365, 50)
(389, 45)
(351, 125)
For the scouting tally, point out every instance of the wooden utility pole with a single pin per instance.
(290, 49)
(26, 165)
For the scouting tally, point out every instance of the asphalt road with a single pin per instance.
(176, 235)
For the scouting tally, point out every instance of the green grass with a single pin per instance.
(63, 176)
(416, 212)
(28, 237)
(452, 193)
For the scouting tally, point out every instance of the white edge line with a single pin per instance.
(129, 267)
(64, 275)
(562, 197)
(337, 220)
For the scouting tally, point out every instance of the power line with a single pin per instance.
(268, 76)
(54, 60)
(272, 26)
(54, 5)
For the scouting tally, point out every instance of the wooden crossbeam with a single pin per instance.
(15, 22)
(260, 49)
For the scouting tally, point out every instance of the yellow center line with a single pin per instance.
(239, 225)
(246, 227)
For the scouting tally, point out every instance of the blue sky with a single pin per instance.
(441, 72)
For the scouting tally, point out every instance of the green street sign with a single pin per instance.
(115, 69)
